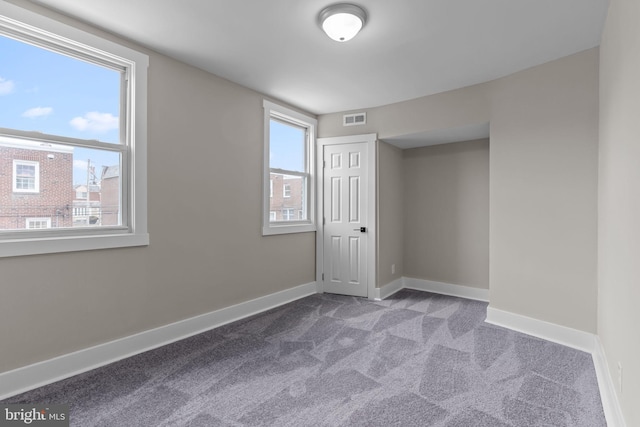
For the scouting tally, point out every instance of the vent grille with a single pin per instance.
(354, 119)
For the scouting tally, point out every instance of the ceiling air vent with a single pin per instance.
(354, 119)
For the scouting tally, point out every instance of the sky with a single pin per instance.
(286, 145)
(52, 93)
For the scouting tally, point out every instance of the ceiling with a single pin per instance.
(441, 136)
(408, 49)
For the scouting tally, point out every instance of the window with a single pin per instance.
(26, 176)
(289, 164)
(287, 214)
(38, 223)
(73, 123)
(272, 216)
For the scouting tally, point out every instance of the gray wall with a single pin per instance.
(461, 107)
(206, 254)
(390, 213)
(543, 174)
(206, 251)
(619, 202)
(446, 213)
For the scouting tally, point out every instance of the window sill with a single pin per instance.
(35, 246)
(288, 229)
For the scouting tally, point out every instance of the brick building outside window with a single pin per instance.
(36, 185)
(286, 200)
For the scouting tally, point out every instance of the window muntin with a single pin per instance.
(289, 170)
(119, 131)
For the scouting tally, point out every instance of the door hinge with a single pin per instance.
(324, 164)
(324, 220)
(323, 277)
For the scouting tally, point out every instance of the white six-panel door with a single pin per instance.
(345, 218)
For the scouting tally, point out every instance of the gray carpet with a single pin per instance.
(415, 359)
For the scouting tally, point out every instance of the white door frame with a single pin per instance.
(372, 224)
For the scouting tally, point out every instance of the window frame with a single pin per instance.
(295, 118)
(36, 177)
(31, 27)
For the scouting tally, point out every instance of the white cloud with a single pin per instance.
(80, 164)
(32, 113)
(96, 122)
(6, 86)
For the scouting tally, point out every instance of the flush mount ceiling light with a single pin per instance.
(342, 21)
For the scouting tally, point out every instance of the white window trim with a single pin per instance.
(284, 191)
(15, 20)
(36, 185)
(276, 111)
(28, 220)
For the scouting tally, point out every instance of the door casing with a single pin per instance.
(372, 206)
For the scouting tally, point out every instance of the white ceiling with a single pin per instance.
(408, 49)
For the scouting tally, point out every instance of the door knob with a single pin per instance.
(361, 229)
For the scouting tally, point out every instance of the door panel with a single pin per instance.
(354, 199)
(345, 245)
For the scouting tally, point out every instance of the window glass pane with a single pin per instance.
(51, 93)
(96, 187)
(57, 186)
(288, 202)
(287, 147)
(25, 176)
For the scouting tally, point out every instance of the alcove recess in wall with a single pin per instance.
(440, 136)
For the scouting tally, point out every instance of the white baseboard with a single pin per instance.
(61, 367)
(608, 395)
(447, 289)
(52, 370)
(388, 289)
(569, 337)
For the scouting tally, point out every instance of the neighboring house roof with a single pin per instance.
(94, 188)
(26, 144)
(110, 171)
